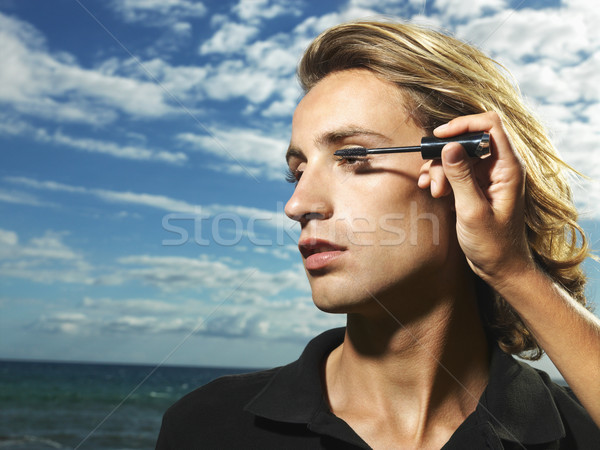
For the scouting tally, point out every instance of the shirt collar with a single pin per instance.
(517, 405)
(294, 394)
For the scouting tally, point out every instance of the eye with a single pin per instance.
(354, 162)
(292, 176)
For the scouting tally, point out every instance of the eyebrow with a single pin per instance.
(333, 137)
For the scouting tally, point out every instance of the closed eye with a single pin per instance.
(292, 176)
(354, 162)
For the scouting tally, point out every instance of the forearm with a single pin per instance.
(568, 333)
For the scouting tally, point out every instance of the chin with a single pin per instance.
(338, 302)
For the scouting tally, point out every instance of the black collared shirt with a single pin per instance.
(285, 408)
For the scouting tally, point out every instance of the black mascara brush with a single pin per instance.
(476, 145)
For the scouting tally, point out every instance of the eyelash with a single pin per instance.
(291, 177)
(351, 163)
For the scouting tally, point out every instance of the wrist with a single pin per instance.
(514, 277)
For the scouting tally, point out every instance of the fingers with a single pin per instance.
(489, 121)
(458, 170)
(440, 187)
(432, 176)
(472, 179)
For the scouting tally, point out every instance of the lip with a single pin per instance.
(319, 253)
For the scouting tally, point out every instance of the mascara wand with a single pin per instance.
(476, 145)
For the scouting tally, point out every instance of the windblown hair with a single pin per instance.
(443, 78)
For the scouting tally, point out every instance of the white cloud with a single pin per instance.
(232, 79)
(274, 56)
(231, 316)
(296, 321)
(181, 273)
(48, 259)
(253, 80)
(285, 107)
(116, 150)
(274, 219)
(54, 87)
(11, 127)
(314, 25)
(65, 323)
(8, 238)
(46, 185)
(257, 10)
(49, 246)
(467, 9)
(21, 198)
(554, 53)
(140, 306)
(385, 6)
(43, 259)
(173, 37)
(252, 148)
(556, 36)
(230, 38)
(182, 28)
(183, 82)
(158, 12)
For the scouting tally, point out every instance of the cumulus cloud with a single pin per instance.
(230, 38)
(235, 79)
(252, 148)
(553, 53)
(48, 259)
(293, 325)
(264, 72)
(204, 273)
(8, 238)
(64, 323)
(257, 10)
(54, 87)
(517, 36)
(157, 12)
(467, 9)
(43, 259)
(294, 319)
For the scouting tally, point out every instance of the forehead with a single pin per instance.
(350, 98)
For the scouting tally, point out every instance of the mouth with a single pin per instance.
(319, 253)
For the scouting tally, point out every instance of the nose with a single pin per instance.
(311, 199)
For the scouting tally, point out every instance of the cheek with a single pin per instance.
(405, 223)
(390, 210)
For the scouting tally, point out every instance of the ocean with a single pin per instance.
(53, 405)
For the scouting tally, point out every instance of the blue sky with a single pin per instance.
(141, 165)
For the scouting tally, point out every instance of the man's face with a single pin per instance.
(367, 229)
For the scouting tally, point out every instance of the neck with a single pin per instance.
(417, 371)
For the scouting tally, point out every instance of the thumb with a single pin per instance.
(458, 169)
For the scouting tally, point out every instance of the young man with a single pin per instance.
(443, 268)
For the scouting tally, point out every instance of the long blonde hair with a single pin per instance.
(444, 78)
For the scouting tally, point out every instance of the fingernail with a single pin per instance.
(454, 156)
(433, 186)
(421, 180)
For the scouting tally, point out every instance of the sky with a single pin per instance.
(142, 171)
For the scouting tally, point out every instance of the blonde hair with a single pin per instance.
(443, 78)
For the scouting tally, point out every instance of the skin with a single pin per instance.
(489, 204)
(413, 331)
(414, 360)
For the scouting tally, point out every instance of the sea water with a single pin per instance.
(46, 405)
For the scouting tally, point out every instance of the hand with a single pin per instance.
(488, 198)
